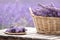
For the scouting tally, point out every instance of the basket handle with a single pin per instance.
(31, 11)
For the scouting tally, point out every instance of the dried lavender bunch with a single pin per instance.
(47, 11)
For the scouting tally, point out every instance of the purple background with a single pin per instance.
(16, 11)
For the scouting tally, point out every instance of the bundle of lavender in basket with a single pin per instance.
(46, 19)
(47, 11)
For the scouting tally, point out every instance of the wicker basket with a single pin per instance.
(46, 25)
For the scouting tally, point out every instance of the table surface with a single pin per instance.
(31, 33)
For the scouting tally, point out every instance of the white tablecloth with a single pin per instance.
(31, 33)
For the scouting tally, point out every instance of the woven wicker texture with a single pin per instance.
(46, 25)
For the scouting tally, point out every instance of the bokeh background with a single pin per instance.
(17, 11)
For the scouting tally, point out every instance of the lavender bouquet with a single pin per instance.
(47, 11)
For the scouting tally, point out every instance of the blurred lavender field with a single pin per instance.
(16, 11)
